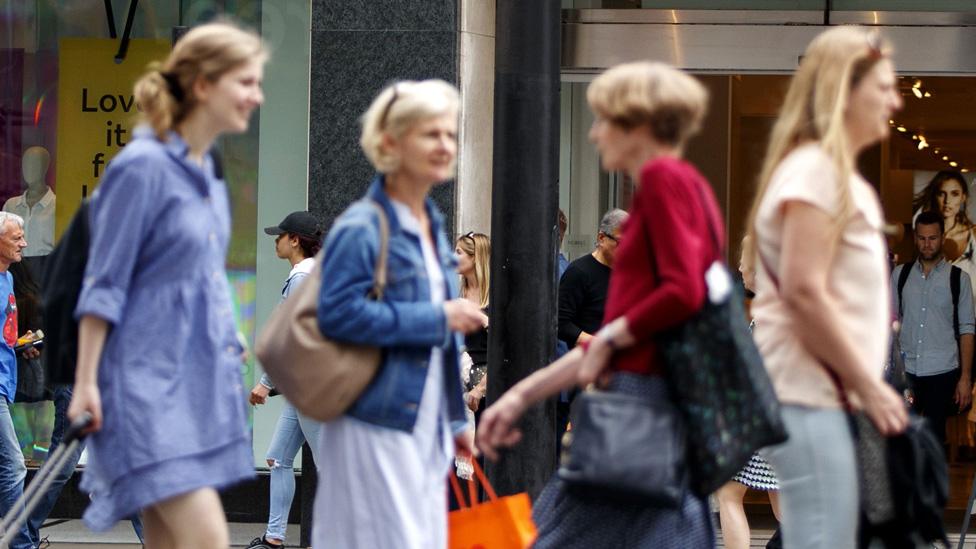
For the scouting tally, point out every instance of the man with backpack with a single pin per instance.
(935, 307)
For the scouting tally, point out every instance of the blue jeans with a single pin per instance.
(62, 398)
(12, 474)
(817, 472)
(291, 431)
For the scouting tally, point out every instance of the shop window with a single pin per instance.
(66, 108)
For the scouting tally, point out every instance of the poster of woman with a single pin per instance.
(947, 192)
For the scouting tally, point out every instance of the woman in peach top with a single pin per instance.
(823, 305)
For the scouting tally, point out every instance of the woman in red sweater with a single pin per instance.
(644, 114)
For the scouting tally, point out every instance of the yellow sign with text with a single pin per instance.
(96, 112)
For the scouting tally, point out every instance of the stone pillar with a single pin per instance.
(525, 192)
(357, 49)
(477, 73)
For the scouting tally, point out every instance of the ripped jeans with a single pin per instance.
(291, 431)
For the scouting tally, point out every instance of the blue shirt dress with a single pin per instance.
(173, 403)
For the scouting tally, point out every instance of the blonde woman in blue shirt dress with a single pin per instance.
(383, 473)
(159, 364)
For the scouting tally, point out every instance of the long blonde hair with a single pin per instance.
(478, 246)
(813, 111)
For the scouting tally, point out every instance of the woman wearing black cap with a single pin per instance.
(297, 239)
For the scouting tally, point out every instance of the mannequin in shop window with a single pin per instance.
(36, 206)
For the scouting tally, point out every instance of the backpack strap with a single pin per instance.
(906, 269)
(955, 276)
(218, 164)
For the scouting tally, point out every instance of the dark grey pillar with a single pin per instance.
(525, 196)
(357, 49)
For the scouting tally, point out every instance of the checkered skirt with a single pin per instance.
(758, 475)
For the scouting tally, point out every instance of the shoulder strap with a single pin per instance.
(906, 270)
(379, 273)
(218, 164)
(955, 275)
(841, 394)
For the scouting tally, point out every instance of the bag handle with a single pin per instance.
(456, 487)
(379, 273)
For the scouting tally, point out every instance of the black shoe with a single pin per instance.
(261, 543)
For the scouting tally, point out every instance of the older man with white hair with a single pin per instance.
(12, 468)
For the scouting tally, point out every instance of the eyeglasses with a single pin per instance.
(616, 239)
(386, 110)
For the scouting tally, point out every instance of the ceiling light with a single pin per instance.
(917, 92)
(891, 122)
(945, 158)
(922, 144)
(902, 129)
(914, 137)
(936, 151)
(917, 84)
(927, 94)
(964, 170)
(953, 164)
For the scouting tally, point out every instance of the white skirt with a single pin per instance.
(380, 487)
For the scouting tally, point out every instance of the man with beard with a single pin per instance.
(935, 307)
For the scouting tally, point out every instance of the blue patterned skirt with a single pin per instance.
(568, 519)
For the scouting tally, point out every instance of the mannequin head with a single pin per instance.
(34, 165)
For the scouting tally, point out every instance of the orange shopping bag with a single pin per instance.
(500, 523)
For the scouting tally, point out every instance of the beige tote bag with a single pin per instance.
(320, 377)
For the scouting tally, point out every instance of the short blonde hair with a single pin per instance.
(396, 109)
(670, 102)
(164, 94)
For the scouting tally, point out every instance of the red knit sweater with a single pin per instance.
(658, 272)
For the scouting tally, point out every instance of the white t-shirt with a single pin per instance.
(38, 222)
(858, 278)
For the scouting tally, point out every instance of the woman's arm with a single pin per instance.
(346, 313)
(497, 428)
(679, 249)
(809, 248)
(92, 332)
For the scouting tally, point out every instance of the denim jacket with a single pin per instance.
(405, 324)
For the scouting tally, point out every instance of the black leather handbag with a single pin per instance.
(625, 447)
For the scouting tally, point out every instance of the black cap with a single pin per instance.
(300, 223)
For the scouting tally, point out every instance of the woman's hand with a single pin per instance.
(85, 397)
(464, 444)
(464, 316)
(474, 396)
(885, 407)
(497, 427)
(259, 395)
(595, 361)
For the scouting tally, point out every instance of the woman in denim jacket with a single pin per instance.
(385, 461)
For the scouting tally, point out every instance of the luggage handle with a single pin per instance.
(77, 428)
(42, 479)
(472, 494)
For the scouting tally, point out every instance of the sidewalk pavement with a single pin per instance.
(72, 534)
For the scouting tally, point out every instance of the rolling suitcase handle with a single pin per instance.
(42, 480)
